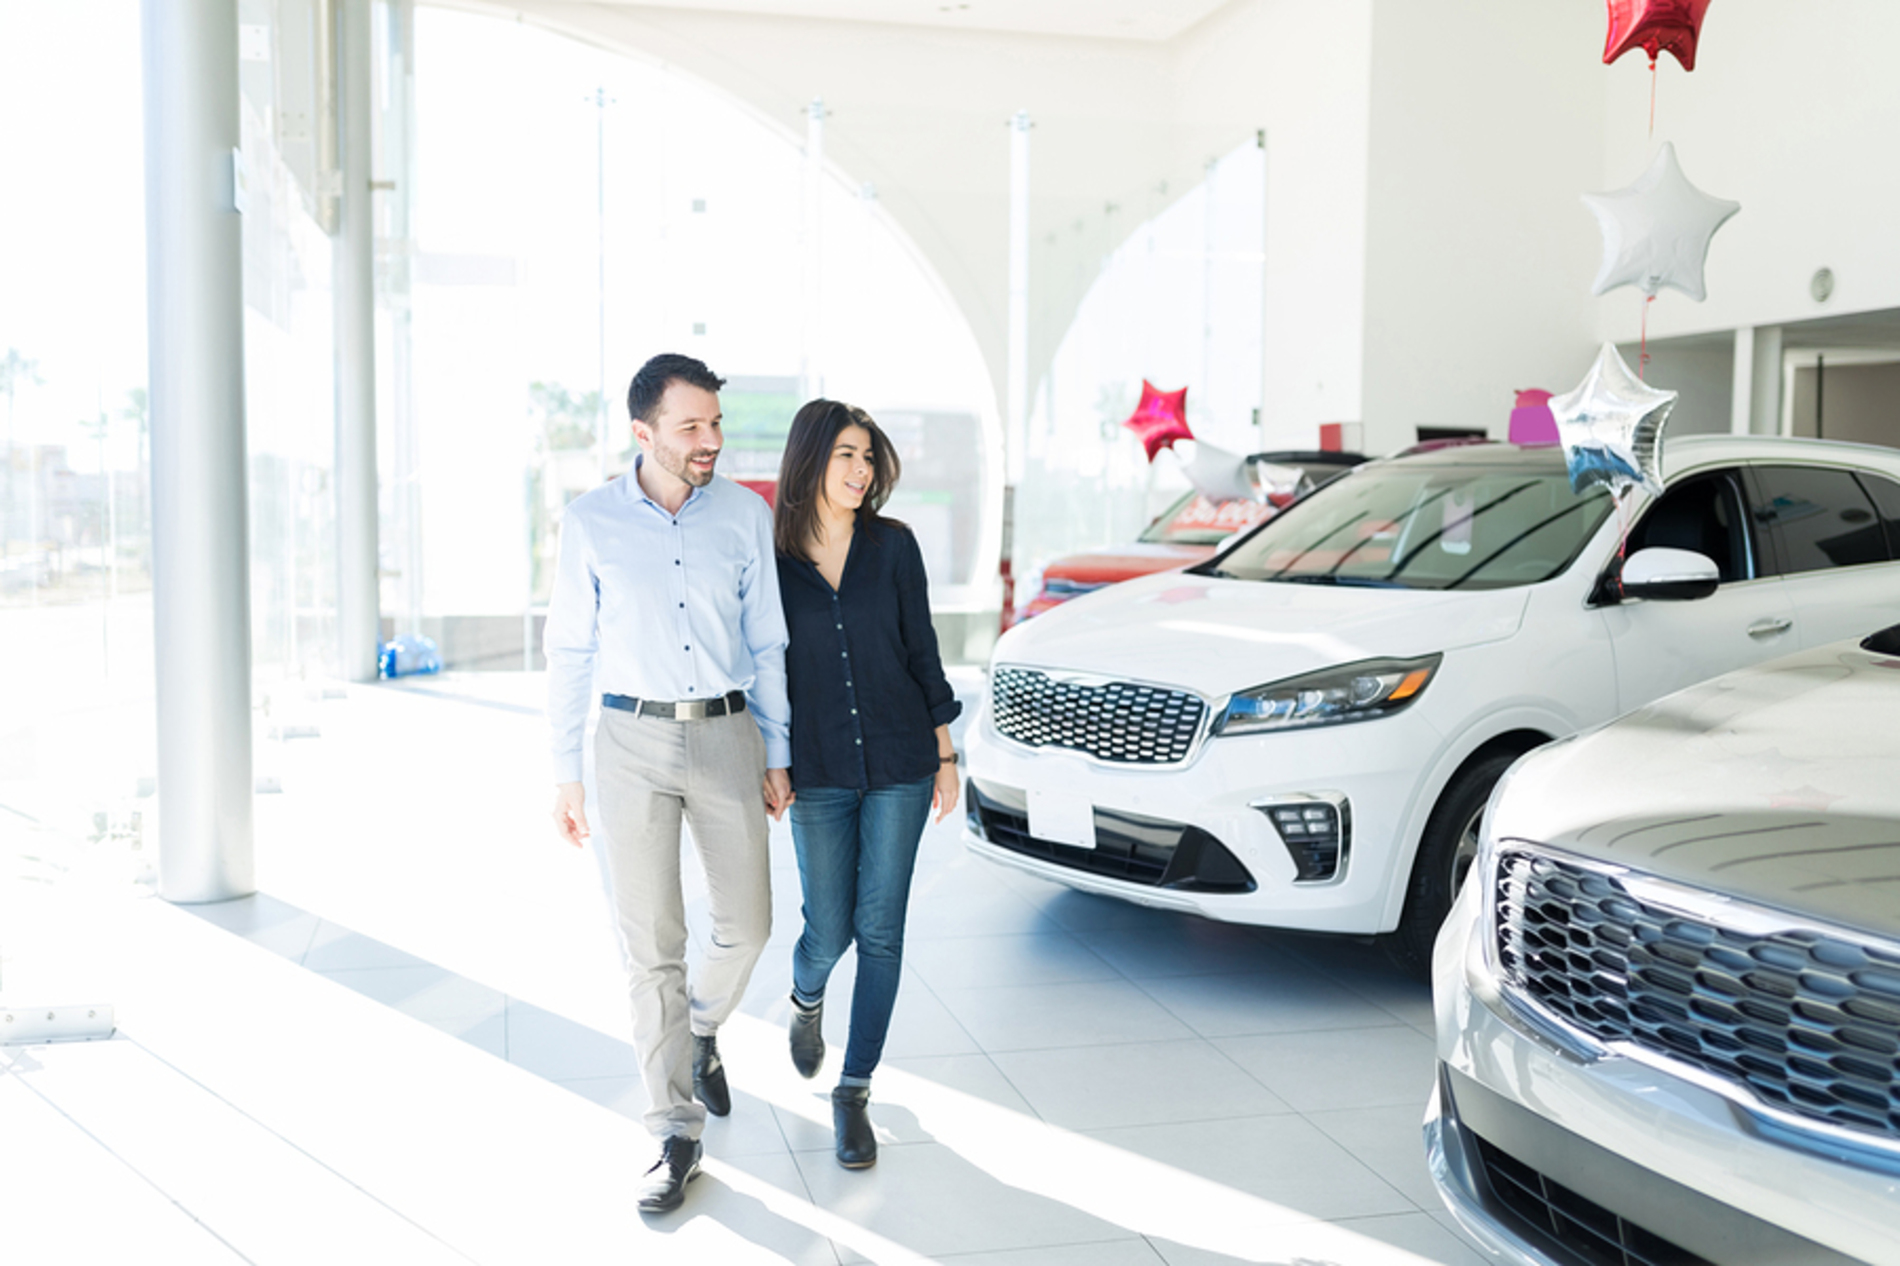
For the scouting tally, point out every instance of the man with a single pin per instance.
(667, 594)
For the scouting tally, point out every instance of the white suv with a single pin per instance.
(1668, 1003)
(1303, 731)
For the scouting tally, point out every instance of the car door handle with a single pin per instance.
(1769, 628)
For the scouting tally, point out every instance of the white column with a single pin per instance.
(353, 281)
(811, 274)
(1765, 404)
(1016, 406)
(201, 602)
(1742, 381)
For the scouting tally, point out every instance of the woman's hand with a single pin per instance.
(944, 797)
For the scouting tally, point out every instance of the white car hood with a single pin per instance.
(1775, 783)
(1216, 636)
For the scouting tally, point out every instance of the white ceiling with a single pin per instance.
(1101, 19)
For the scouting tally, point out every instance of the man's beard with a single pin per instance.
(680, 464)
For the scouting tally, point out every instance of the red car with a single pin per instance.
(1189, 530)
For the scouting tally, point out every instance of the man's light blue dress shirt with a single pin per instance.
(665, 606)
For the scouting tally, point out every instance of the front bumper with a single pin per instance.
(1531, 1142)
(1371, 768)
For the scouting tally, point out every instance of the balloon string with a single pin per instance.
(1652, 96)
(1642, 356)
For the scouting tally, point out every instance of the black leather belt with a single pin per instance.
(683, 710)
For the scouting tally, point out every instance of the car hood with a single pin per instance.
(1119, 562)
(1774, 784)
(1216, 636)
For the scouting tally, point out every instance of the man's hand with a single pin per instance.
(778, 792)
(570, 812)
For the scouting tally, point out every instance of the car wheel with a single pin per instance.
(1445, 854)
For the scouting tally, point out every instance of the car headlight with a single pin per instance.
(1351, 692)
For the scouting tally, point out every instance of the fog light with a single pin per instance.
(1315, 830)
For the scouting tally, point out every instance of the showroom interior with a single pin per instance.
(316, 313)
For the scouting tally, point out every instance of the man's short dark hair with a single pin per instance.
(643, 397)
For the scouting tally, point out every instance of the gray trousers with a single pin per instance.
(651, 773)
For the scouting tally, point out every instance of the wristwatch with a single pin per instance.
(954, 758)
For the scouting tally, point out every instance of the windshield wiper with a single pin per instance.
(1328, 578)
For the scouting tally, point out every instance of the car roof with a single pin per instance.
(1679, 454)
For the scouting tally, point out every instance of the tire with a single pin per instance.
(1445, 853)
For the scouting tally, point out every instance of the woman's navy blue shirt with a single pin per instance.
(866, 684)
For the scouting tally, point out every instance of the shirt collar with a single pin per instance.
(638, 493)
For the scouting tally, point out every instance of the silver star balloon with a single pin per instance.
(1611, 427)
(1656, 233)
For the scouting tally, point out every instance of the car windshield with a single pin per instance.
(1470, 519)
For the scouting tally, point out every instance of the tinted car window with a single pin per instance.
(1433, 522)
(1818, 518)
(1886, 495)
(1703, 514)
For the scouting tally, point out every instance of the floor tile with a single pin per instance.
(263, 920)
(1340, 1068)
(1389, 1141)
(1184, 946)
(975, 961)
(1255, 1171)
(334, 946)
(925, 1198)
(1290, 999)
(1140, 1084)
(1032, 1017)
(554, 1047)
(1403, 1239)
(427, 992)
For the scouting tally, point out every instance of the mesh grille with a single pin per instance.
(1119, 721)
(1808, 1021)
(1574, 1228)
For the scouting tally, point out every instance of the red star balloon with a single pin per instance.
(1655, 25)
(1160, 419)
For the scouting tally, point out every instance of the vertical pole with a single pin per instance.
(1210, 229)
(811, 369)
(201, 602)
(603, 436)
(1765, 404)
(400, 156)
(1742, 381)
(1820, 395)
(353, 281)
(1017, 404)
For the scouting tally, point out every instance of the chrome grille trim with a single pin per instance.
(1795, 1021)
(1111, 721)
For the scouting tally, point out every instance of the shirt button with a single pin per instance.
(859, 742)
(676, 562)
(854, 712)
(689, 648)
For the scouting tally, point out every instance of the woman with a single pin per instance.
(871, 753)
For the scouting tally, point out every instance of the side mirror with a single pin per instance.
(1669, 574)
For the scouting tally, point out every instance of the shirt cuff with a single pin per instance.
(778, 752)
(944, 714)
(567, 768)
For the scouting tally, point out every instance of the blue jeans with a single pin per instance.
(856, 850)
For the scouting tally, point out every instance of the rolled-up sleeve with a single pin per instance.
(762, 618)
(571, 641)
(920, 636)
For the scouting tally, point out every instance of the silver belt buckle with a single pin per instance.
(690, 710)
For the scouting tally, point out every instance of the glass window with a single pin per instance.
(1886, 495)
(1702, 514)
(1460, 520)
(1819, 518)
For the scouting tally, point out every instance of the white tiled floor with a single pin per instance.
(411, 1047)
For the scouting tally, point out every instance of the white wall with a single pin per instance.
(1794, 113)
(1486, 125)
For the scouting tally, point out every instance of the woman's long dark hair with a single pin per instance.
(801, 473)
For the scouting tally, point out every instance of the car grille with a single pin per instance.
(1117, 721)
(1152, 852)
(1807, 1020)
(1573, 1227)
